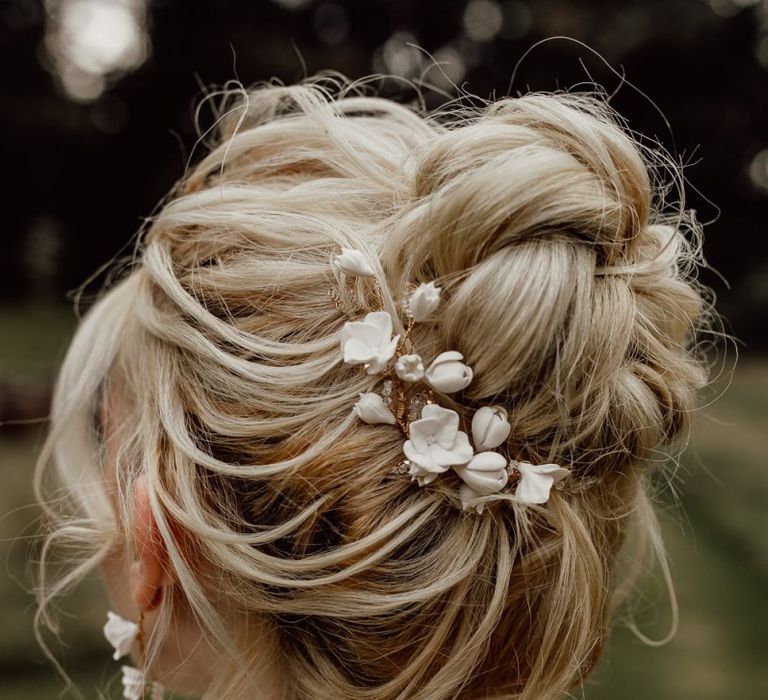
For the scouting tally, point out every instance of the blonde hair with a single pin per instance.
(568, 285)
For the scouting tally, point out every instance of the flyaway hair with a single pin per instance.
(568, 285)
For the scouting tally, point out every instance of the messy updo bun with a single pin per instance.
(567, 286)
(569, 293)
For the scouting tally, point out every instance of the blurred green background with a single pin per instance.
(97, 110)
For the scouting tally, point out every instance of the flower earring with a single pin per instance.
(122, 634)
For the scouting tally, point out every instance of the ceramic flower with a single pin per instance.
(490, 427)
(423, 301)
(409, 368)
(485, 473)
(436, 443)
(421, 475)
(448, 373)
(120, 633)
(536, 481)
(371, 408)
(369, 342)
(471, 499)
(353, 262)
(133, 683)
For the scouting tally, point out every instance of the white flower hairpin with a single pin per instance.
(434, 442)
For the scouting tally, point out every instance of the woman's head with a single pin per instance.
(266, 519)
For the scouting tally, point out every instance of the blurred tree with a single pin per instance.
(91, 159)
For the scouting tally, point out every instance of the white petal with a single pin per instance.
(377, 365)
(371, 409)
(446, 417)
(120, 633)
(449, 380)
(461, 447)
(448, 356)
(446, 458)
(354, 262)
(448, 422)
(409, 368)
(423, 301)
(534, 489)
(469, 499)
(422, 461)
(369, 342)
(487, 462)
(369, 333)
(485, 473)
(382, 355)
(382, 321)
(410, 451)
(423, 429)
(133, 683)
(557, 472)
(422, 475)
(356, 352)
(448, 374)
(536, 481)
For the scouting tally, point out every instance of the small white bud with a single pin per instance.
(371, 409)
(353, 262)
(448, 373)
(423, 301)
(409, 368)
(485, 473)
(490, 427)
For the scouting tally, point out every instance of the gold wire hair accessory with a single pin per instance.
(405, 398)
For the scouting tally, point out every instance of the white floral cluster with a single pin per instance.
(122, 634)
(434, 441)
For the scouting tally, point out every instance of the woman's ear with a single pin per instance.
(149, 573)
